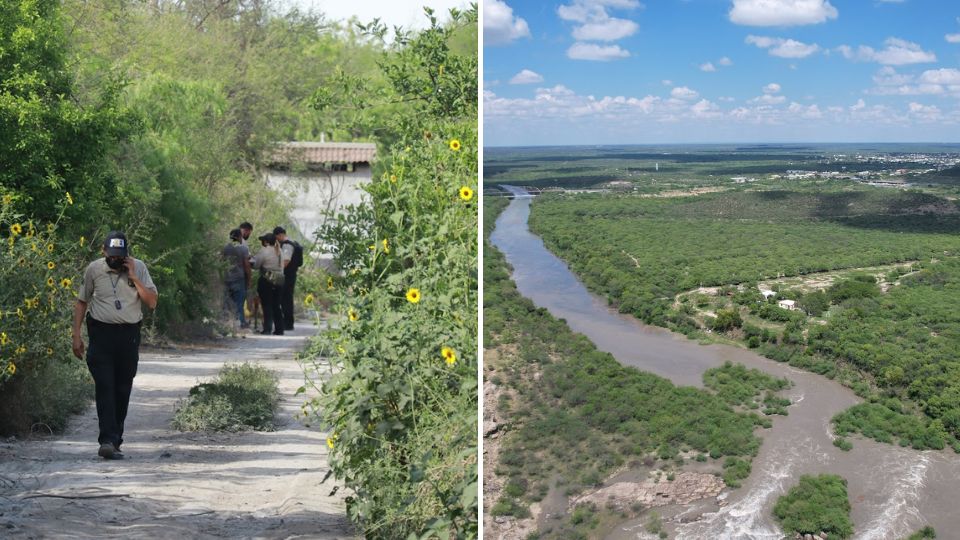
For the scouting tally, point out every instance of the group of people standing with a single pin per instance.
(277, 260)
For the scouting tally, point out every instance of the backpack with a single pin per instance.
(297, 260)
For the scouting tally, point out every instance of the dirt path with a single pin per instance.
(172, 484)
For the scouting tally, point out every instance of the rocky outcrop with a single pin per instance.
(685, 488)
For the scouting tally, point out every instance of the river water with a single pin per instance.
(893, 491)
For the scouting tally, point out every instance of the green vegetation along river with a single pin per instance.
(893, 490)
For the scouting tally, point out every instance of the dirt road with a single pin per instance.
(172, 484)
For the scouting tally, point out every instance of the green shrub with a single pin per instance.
(397, 372)
(923, 534)
(735, 470)
(817, 504)
(242, 397)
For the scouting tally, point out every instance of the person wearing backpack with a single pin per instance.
(292, 261)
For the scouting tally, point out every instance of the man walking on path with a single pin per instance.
(237, 278)
(111, 297)
(292, 261)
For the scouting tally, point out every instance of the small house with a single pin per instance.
(787, 304)
(767, 294)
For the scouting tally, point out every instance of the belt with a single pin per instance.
(94, 322)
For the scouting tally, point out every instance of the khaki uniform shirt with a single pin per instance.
(103, 287)
(267, 259)
(287, 252)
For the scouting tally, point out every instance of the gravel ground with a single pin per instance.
(173, 484)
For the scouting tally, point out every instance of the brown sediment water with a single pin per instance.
(893, 490)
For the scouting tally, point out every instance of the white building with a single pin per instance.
(787, 304)
(317, 177)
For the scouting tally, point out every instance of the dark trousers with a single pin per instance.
(270, 303)
(112, 359)
(286, 298)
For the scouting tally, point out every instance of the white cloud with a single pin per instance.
(684, 93)
(952, 38)
(858, 106)
(610, 29)
(592, 51)
(771, 88)
(924, 113)
(781, 12)
(500, 26)
(595, 24)
(708, 67)
(667, 82)
(941, 76)
(725, 61)
(930, 83)
(898, 52)
(783, 48)
(705, 109)
(526, 77)
(768, 99)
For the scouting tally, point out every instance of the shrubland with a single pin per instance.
(575, 414)
(897, 348)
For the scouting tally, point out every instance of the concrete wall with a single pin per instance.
(310, 193)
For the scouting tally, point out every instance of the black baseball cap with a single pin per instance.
(279, 230)
(268, 238)
(235, 234)
(246, 225)
(115, 244)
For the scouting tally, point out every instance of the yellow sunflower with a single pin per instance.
(50, 248)
(455, 145)
(386, 246)
(11, 368)
(50, 282)
(413, 295)
(466, 193)
(329, 283)
(353, 315)
(4, 339)
(83, 240)
(69, 198)
(51, 265)
(16, 229)
(393, 178)
(65, 282)
(7, 199)
(308, 300)
(449, 356)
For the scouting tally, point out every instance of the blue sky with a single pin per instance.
(674, 71)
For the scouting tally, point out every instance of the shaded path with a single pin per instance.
(179, 485)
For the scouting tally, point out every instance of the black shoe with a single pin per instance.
(280, 333)
(265, 333)
(109, 451)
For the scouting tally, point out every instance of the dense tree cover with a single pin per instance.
(153, 118)
(576, 413)
(905, 341)
(817, 504)
(396, 373)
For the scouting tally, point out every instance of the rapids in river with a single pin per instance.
(893, 490)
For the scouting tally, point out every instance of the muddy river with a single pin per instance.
(894, 491)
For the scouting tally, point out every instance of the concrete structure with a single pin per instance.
(319, 177)
(787, 304)
(767, 293)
